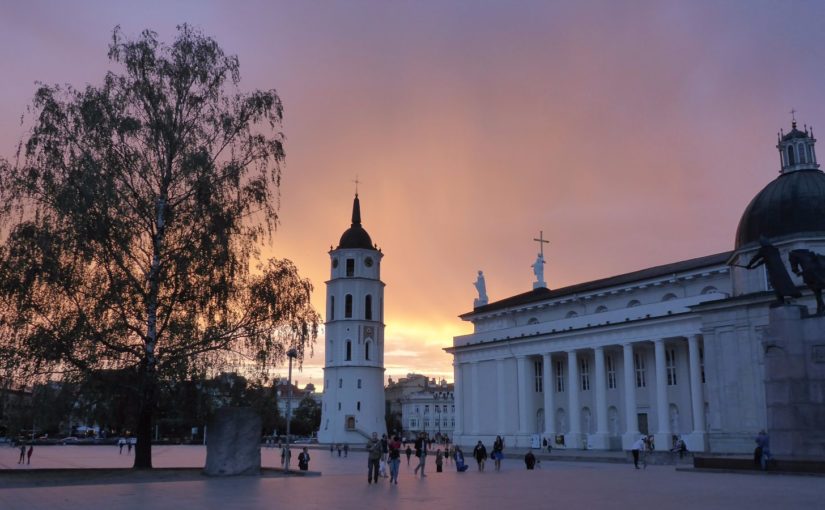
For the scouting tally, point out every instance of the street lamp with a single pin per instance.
(291, 354)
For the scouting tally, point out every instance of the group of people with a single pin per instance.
(384, 455)
(340, 448)
(25, 455)
(497, 454)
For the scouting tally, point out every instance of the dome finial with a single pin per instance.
(793, 118)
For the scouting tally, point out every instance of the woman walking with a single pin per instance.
(395, 459)
(498, 452)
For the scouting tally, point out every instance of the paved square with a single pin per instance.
(563, 485)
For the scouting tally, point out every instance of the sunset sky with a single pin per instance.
(633, 133)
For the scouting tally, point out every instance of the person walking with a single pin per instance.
(339, 448)
(373, 458)
(408, 452)
(121, 443)
(529, 459)
(636, 449)
(458, 456)
(421, 453)
(331, 449)
(480, 454)
(303, 460)
(385, 449)
(346, 449)
(22, 453)
(394, 457)
(29, 454)
(498, 452)
(763, 442)
(439, 461)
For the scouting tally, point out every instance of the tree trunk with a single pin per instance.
(146, 403)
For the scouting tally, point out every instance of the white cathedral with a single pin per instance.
(672, 350)
(353, 403)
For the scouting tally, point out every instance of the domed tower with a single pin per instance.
(790, 210)
(353, 404)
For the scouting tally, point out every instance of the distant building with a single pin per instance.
(282, 392)
(417, 403)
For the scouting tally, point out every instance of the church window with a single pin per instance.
(560, 377)
(340, 383)
(538, 368)
(810, 154)
(359, 384)
(611, 372)
(438, 409)
(801, 149)
(791, 158)
(702, 362)
(332, 308)
(426, 423)
(453, 408)
(601, 309)
(427, 409)
(452, 423)
(571, 314)
(585, 374)
(368, 307)
(349, 350)
(339, 406)
(348, 306)
(358, 405)
(670, 364)
(350, 267)
(367, 350)
(634, 302)
(417, 409)
(640, 370)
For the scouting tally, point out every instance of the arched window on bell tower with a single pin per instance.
(348, 306)
(367, 350)
(368, 307)
(349, 350)
(332, 308)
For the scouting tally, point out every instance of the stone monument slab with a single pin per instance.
(233, 444)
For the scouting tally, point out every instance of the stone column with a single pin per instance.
(696, 441)
(458, 400)
(523, 385)
(573, 439)
(600, 440)
(475, 404)
(631, 433)
(501, 420)
(662, 435)
(549, 397)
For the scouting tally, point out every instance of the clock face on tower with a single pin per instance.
(334, 263)
(368, 261)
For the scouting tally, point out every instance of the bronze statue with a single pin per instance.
(811, 266)
(778, 275)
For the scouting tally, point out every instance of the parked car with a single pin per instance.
(69, 440)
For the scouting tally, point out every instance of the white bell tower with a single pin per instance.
(353, 404)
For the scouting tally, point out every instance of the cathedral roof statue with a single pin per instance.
(356, 236)
(794, 202)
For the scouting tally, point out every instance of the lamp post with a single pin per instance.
(291, 354)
